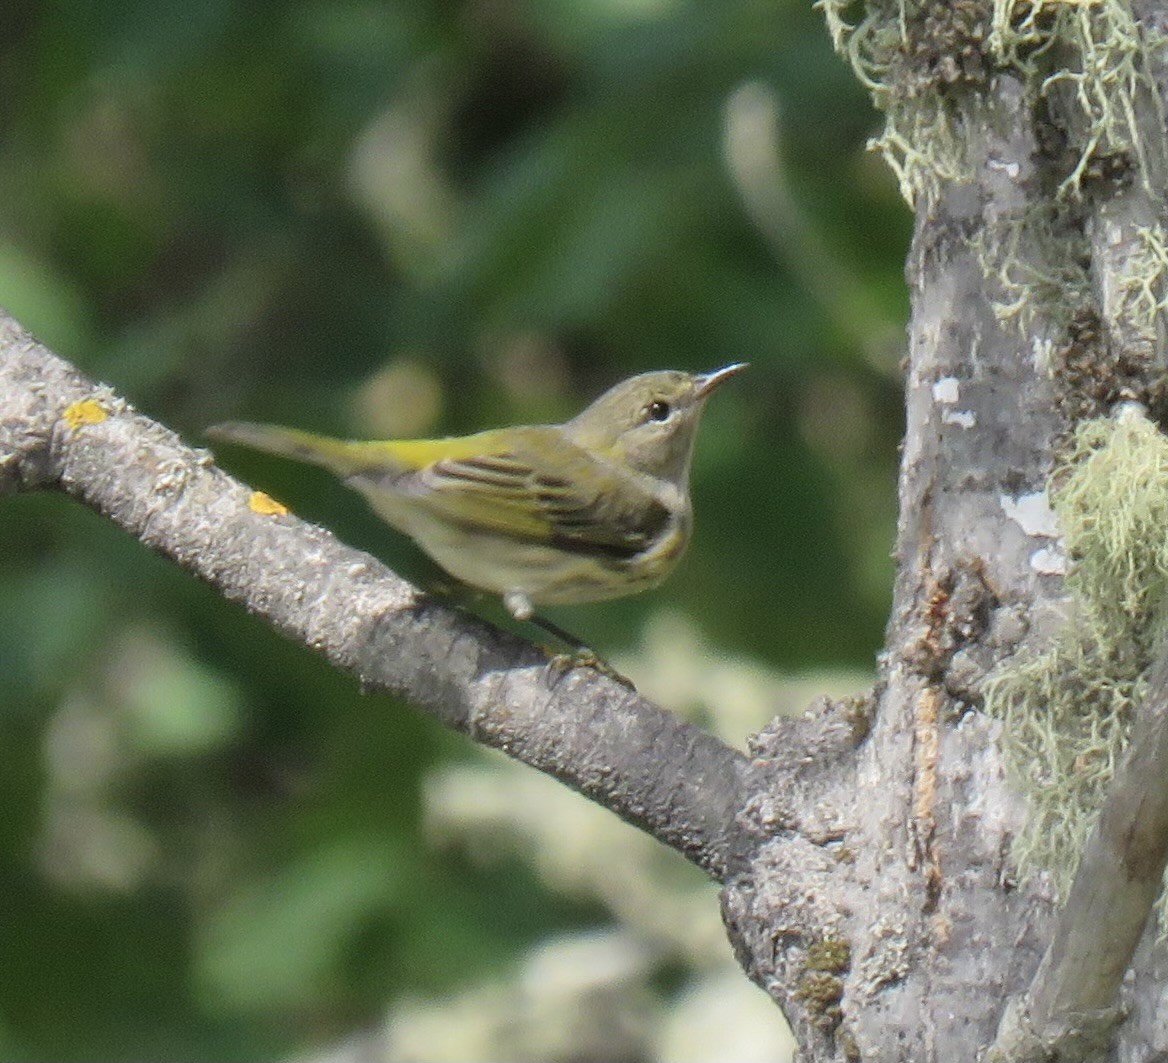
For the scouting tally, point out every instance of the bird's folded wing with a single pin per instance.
(583, 506)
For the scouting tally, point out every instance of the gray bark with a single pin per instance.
(894, 926)
(936, 942)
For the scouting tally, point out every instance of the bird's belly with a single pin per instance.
(544, 573)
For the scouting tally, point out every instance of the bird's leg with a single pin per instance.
(518, 604)
(582, 655)
(566, 637)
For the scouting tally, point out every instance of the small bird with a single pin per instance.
(595, 508)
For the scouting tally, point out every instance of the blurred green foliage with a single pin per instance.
(371, 218)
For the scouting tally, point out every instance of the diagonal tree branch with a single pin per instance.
(672, 779)
(1070, 1009)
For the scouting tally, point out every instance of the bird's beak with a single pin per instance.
(706, 382)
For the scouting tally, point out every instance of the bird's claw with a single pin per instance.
(560, 664)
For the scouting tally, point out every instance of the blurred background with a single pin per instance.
(414, 218)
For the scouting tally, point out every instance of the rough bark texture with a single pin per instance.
(917, 892)
(884, 913)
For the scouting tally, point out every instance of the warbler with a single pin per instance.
(595, 508)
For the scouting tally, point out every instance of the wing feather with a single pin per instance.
(586, 506)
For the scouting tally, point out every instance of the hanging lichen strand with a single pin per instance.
(1067, 710)
(1082, 67)
(912, 56)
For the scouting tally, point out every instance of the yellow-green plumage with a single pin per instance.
(595, 508)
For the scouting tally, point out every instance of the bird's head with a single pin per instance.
(649, 422)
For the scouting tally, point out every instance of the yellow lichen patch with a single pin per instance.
(84, 411)
(265, 505)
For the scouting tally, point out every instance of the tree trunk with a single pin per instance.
(886, 911)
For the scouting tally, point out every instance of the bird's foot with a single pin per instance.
(560, 664)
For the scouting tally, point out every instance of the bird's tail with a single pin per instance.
(340, 456)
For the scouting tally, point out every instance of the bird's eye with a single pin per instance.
(657, 411)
